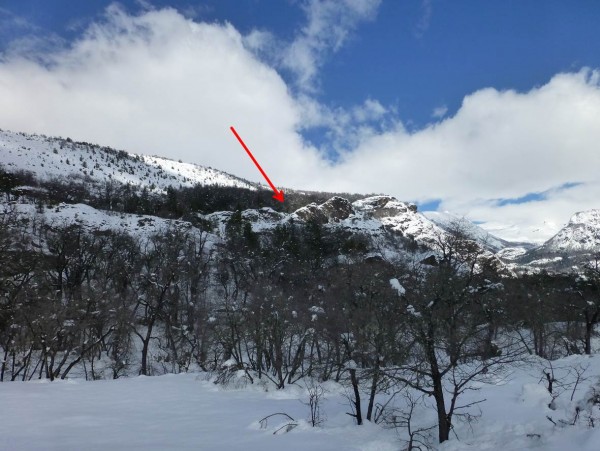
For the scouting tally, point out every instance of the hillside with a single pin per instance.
(92, 168)
(61, 158)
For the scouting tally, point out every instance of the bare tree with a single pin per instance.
(450, 305)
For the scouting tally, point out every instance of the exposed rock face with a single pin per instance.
(396, 216)
(430, 261)
(312, 212)
(384, 206)
(334, 210)
(337, 208)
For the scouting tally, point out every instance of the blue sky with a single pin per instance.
(415, 56)
(366, 93)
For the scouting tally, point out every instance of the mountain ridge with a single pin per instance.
(50, 158)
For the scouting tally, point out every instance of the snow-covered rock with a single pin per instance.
(511, 253)
(387, 212)
(333, 210)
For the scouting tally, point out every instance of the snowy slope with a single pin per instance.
(172, 412)
(582, 233)
(100, 220)
(51, 158)
(141, 227)
(187, 412)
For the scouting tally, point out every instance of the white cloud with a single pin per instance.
(498, 145)
(329, 24)
(424, 22)
(439, 112)
(11, 21)
(536, 220)
(160, 83)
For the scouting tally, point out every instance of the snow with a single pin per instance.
(511, 253)
(58, 158)
(545, 261)
(586, 217)
(371, 216)
(188, 412)
(395, 284)
(50, 158)
(138, 226)
(172, 412)
(412, 311)
(448, 221)
(379, 212)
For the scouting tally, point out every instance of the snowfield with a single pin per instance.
(171, 412)
(189, 412)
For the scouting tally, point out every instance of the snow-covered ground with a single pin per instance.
(172, 412)
(186, 411)
(138, 226)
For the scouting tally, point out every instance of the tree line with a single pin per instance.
(172, 202)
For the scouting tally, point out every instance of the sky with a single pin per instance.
(489, 110)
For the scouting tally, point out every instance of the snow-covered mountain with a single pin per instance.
(505, 250)
(448, 221)
(98, 221)
(574, 245)
(582, 233)
(373, 215)
(50, 158)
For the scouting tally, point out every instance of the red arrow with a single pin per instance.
(278, 194)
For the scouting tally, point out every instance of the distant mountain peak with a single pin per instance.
(582, 233)
(587, 217)
(448, 221)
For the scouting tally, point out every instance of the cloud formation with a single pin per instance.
(439, 112)
(423, 24)
(161, 83)
(329, 23)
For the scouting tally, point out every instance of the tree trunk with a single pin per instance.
(444, 423)
(356, 401)
(374, 382)
(145, 346)
(589, 330)
(438, 389)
